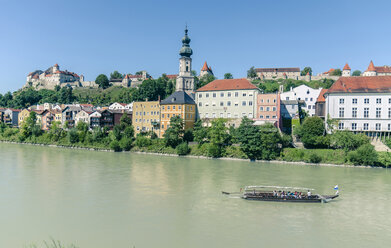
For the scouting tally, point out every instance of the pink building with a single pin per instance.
(268, 109)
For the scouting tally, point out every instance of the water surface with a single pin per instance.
(103, 199)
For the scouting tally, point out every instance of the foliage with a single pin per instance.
(182, 149)
(384, 158)
(116, 75)
(142, 141)
(326, 155)
(114, 145)
(269, 86)
(305, 71)
(188, 136)
(102, 81)
(311, 133)
(126, 144)
(173, 135)
(73, 136)
(228, 76)
(336, 72)
(204, 80)
(249, 137)
(314, 158)
(356, 73)
(200, 133)
(218, 137)
(347, 140)
(364, 155)
(252, 73)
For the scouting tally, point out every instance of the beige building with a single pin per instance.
(276, 73)
(146, 117)
(227, 98)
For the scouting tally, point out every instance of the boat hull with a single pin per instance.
(314, 199)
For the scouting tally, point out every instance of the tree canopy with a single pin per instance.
(102, 81)
(305, 71)
(356, 73)
(116, 75)
(336, 72)
(251, 73)
(228, 76)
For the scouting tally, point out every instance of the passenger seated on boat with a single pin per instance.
(309, 194)
(299, 195)
(274, 193)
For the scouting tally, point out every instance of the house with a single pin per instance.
(117, 106)
(146, 117)
(83, 116)
(10, 116)
(23, 115)
(206, 70)
(94, 119)
(268, 109)
(68, 115)
(117, 115)
(177, 104)
(320, 104)
(107, 119)
(373, 70)
(227, 98)
(276, 73)
(360, 104)
(290, 114)
(303, 92)
(47, 118)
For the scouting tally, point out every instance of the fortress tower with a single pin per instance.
(346, 71)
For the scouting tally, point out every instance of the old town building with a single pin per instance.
(268, 109)
(146, 117)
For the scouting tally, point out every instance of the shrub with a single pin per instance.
(235, 152)
(182, 149)
(142, 141)
(348, 140)
(114, 145)
(126, 144)
(314, 158)
(364, 155)
(384, 158)
(73, 136)
(8, 132)
(214, 151)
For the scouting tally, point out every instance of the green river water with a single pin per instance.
(114, 200)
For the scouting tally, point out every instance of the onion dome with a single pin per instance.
(186, 51)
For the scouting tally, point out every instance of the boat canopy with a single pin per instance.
(275, 187)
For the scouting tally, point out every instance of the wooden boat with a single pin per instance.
(281, 194)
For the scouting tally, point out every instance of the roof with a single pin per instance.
(289, 102)
(383, 69)
(329, 71)
(178, 97)
(172, 76)
(205, 67)
(321, 96)
(228, 84)
(371, 67)
(378, 84)
(287, 69)
(346, 67)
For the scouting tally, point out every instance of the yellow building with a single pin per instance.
(146, 116)
(178, 104)
(23, 115)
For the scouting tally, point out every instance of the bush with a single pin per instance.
(214, 151)
(114, 145)
(384, 158)
(126, 144)
(73, 136)
(364, 155)
(8, 132)
(348, 140)
(235, 152)
(314, 158)
(314, 155)
(142, 141)
(182, 149)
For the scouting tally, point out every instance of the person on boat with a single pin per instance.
(309, 194)
(299, 195)
(274, 193)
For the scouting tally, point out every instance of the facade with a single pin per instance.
(206, 70)
(303, 92)
(68, 115)
(346, 71)
(320, 105)
(94, 119)
(146, 117)
(290, 114)
(23, 115)
(10, 116)
(361, 104)
(178, 104)
(268, 109)
(107, 119)
(83, 116)
(185, 80)
(276, 73)
(227, 98)
(117, 115)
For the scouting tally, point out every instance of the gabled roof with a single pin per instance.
(371, 67)
(178, 97)
(346, 67)
(378, 84)
(321, 96)
(228, 84)
(383, 69)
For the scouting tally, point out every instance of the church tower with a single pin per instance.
(185, 81)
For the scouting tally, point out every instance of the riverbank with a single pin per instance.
(138, 150)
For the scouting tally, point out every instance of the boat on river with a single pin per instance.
(281, 194)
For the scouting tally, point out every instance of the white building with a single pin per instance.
(377, 70)
(227, 98)
(360, 104)
(305, 93)
(121, 106)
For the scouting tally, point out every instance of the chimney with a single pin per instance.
(158, 98)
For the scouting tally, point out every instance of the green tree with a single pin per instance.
(125, 121)
(347, 140)
(173, 136)
(305, 71)
(356, 73)
(218, 136)
(116, 75)
(271, 142)
(204, 80)
(117, 132)
(65, 95)
(364, 155)
(311, 133)
(336, 72)
(102, 81)
(228, 76)
(252, 73)
(29, 125)
(249, 138)
(200, 133)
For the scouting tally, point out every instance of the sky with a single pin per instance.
(94, 37)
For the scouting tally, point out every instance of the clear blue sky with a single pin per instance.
(93, 37)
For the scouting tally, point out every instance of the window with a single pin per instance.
(287, 98)
(261, 108)
(207, 95)
(162, 115)
(213, 115)
(306, 99)
(311, 99)
(354, 101)
(214, 94)
(228, 115)
(354, 112)
(261, 116)
(229, 103)
(206, 115)
(389, 126)
(378, 126)
(366, 112)
(354, 126)
(267, 116)
(274, 108)
(244, 94)
(168, 115)
(340, 126)
(366, 125)
(173, 107)
(221, 104)
(267, 108)
(341, 101)
(250, 103)
(213, 104)
(274, 101)
(206, 104)
(229, 94)
(389, 100)
(243, 103)
(389, 112)
(200, 104)
(191, 107)
(236, 104)
(274, 116)
(222, 94)
(199, 95)
(243, 114)
(168, 107)
(236, 94)
(378, 112)
(341, 112)
(378, 100)
(250, 115)
(179, 107)
(221, 115)
(366, 100)
(268, 100)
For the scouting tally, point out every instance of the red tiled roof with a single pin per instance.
(172, 76)
(321, 96)
(371, 67)
(376, 84)
(328, 72)
(346, 67)
(228, 84)
(205, 67)
(383, 69)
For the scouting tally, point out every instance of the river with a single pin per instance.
(104, 199)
